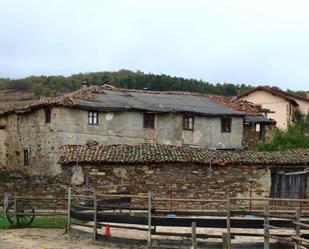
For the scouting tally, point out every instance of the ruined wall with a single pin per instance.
(178, 180)
(30, 132)
(3, 148)
(70, 126)
(251, 136)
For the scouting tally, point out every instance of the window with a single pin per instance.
(93, 117)
(149, 119)
(26, 157)
(226, 125)
(188, 122)
(47, 115)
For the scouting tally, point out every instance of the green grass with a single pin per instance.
(38, 222)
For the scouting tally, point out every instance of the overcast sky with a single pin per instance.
(239, 41)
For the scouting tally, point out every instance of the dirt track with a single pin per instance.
(43, 238)
(31, 238)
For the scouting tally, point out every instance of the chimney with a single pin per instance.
(84, 84)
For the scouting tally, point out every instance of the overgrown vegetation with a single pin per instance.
(296, 136)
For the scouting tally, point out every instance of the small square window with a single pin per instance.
(93, 117)
(188, 122)
(226, 124)
(47, 115)
(149, 119)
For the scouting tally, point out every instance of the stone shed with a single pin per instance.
(186, 171)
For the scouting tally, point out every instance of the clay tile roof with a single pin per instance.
(253, 113)
(155, 153)
(238, 105)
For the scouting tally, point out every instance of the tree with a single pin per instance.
(296, 136)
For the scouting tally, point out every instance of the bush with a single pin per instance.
(296, 136)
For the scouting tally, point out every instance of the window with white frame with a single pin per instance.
(93, 117)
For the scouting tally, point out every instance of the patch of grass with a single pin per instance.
(39, 222)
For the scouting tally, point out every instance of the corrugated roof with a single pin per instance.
(107, 98)
(155, 153)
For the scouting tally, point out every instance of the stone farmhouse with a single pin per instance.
(30, 137)
(281, 104)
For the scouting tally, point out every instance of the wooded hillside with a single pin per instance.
(50, 85)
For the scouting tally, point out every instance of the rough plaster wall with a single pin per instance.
(303, 106)
(207, 132)
(127, 127)
(274, 103)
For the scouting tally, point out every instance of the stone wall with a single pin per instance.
(36, 186)
(251, 136)
(180, 181)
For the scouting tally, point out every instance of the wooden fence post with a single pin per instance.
(297, 227)
(5, 201)
(69, 210)
(15, 208)
(225, 241)
(95, 214)
(266, 228)
(149, 219)
(194, 243)
(228, 219)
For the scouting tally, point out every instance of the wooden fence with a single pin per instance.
(94, 215)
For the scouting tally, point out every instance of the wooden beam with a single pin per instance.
(266, 228)
(194, 243)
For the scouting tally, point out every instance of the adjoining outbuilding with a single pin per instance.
(187, 171)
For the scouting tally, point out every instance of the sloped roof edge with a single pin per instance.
(158, 153)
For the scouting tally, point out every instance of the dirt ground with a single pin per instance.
(31, 238)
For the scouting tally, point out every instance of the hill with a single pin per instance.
(17, 91)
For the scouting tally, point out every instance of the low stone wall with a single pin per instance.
(176, 180)
(36, 186)
(164, 180)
